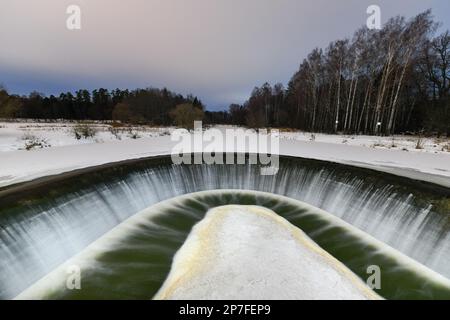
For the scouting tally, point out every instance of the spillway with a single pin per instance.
(133, 259)
(45, 223)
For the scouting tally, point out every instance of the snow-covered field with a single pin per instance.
(18, 135)
(396, 142)
(15, 136)
(54, 148)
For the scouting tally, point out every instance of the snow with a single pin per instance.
(14, 135)
(251, 253)
(67, 153)
(396, 142)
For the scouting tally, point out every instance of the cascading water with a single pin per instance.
(43, 229)
(132, 260)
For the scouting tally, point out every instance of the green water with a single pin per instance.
(140, 253)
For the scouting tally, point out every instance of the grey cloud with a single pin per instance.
(216, 49)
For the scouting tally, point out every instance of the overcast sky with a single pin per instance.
(216, 49)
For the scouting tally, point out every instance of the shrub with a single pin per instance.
(122, 112)
(185, 114)
(84, 130)
(393, 144)
(446, 147)
(420, 143)
(133, 134)
(32, 142)
(115, 131)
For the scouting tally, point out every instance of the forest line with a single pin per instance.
(387, 81)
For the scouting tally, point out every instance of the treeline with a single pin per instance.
(150, 106)
(380, 82)
(392, 80)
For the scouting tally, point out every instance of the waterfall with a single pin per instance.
(133, 259)
(37, 237)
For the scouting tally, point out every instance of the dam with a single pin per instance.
(46, 223)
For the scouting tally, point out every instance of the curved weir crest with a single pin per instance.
(132, 260)
(43, 227)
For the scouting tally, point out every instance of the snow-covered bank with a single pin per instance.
(409, 143)
(15, 135)
(21, 165)
(249, 252)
